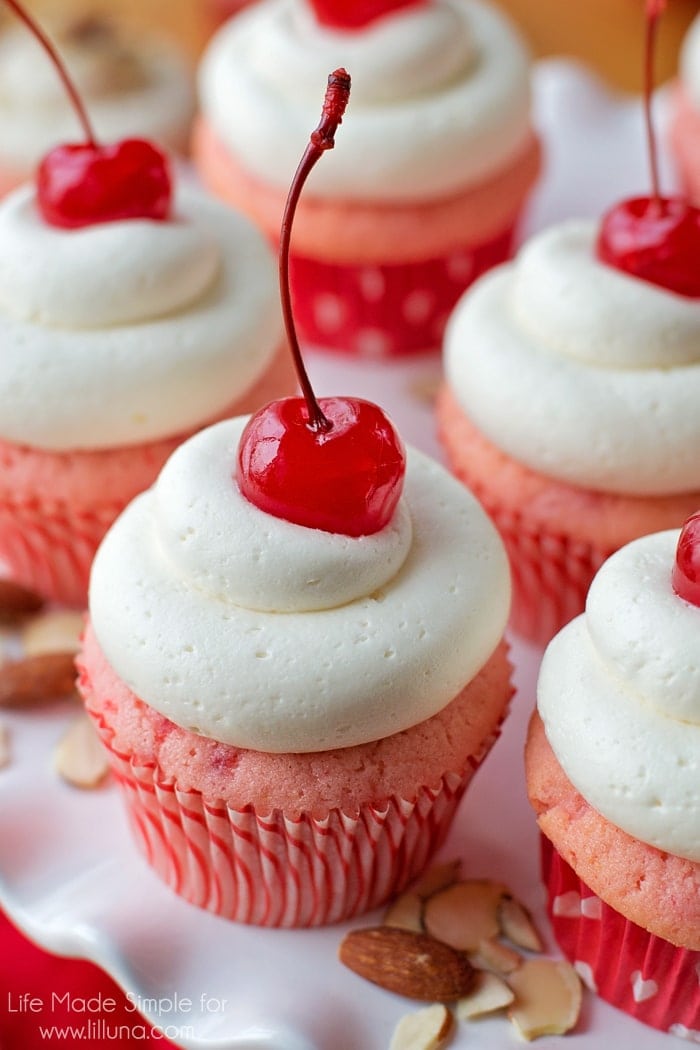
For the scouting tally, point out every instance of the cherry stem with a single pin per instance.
(60, 68)
(322, 139)
(654, 10)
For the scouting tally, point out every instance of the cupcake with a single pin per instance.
(133, 85)
(685, 122)
(434, 170)
(612, 771)
(569, 408)
(132, 315)
(295, 652)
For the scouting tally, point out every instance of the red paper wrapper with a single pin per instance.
(49, 549)
(378, 311)
(641, 974)
(270, 870)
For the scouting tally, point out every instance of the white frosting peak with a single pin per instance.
(579, 371)
(405, 618)
(690, 62)
(151, 328)
(619, 694)
(445, 80)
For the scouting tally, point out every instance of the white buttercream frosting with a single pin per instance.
(690, 62)
(135, 87)
(440, 96)
(580, 371)
(272, 636)
(619, 694)
(125, 332)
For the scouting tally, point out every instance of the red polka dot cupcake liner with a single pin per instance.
(49, 548)
(376, 310)
(268, 869)
(647, 977)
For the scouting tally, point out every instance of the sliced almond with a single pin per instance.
(425, 388)
(439, 877)
(496, 957)
(489, 994)
(17, 601)
(37, 679)
(547, 998)
(4, 745)
(79, 756)
(464, 914)
(54, 631)
(517, 925)
(408, 963)
(428, 1029)
(406, 912)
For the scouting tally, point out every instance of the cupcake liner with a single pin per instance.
(551, 573)
(375, 311)
(645, 976)
(271, 870)
(49, 548)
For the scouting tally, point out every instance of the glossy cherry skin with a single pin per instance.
(347, 479)
(354, 14)
(686, 568)
(84, 184)
(655, 239)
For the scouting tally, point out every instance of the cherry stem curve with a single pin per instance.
(68, 84)
(322, 139)
(654, 10)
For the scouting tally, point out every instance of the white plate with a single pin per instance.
(69, 875)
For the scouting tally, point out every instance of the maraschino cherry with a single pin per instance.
(82, 184)
(354, 14)
(686, 568)
(336, 463)
(654, 238)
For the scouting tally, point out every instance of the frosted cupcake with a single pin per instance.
(612, 770)
(685, 123)
(295, 654)
(131, 315)
(132, 86)
(433, 171)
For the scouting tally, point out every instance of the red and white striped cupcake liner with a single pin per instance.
(375, 310)
(645, 976)
(270, 870)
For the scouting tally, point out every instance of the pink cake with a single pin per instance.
(431, 178)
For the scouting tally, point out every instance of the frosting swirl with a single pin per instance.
(690, 62)
(171, 320)
(356, 639)
(619, 695)
(447, 79)
(603, 369)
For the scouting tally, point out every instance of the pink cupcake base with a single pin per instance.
(646, 976)
(270, 870)
(387, 310)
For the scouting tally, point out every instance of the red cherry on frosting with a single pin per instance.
(354, 14)
(86, 183)
(335, 464)
(655, 238)
(686, 568)
(343, 479)
(82, 184)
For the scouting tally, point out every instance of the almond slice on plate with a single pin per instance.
(496, 957)
(53, 631)
(408, 963)
(517, 925)
(4, 745)
(439, 877)
(547, 998)
(464, 914)
(17, 601)
(428, 1029)
(79, 756)
(406, 912)
(37, 679)
(489, 994)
